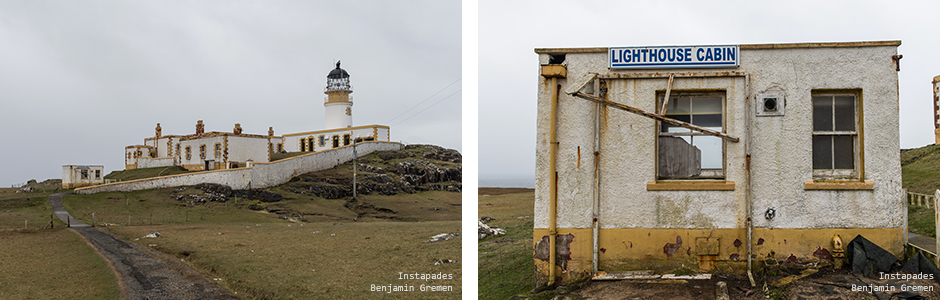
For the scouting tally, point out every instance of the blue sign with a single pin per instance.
(720, 56)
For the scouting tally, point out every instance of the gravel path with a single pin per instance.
(141, 275)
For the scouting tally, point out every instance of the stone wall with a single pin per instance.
(259, 175)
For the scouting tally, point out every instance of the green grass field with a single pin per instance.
(157, 207)
(25, 210)
(311, 260)
(505, 261)
(264, 255)
(52, 264)
(133, 174)
(46, 263)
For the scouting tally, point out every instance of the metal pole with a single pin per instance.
(355, 166)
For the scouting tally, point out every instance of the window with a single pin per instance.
(178, 150)
(280, 148)
(835, 136)
(189, 153)
(311, 142)
(303, 145)
(97, 174)
(84, 174)
(345, 139)
(218, 150)
(202, 151)
(335, 141)
(687, 154)
(322, 140)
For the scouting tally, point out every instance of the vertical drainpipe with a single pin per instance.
(554, 71)
(747, 176)
(553, 183)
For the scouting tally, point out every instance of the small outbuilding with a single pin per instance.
(74, 176)
(657, 158)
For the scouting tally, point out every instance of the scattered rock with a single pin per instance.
(486, 219)
(444, 261)
(485, 230)
(442, 237)
(151, 235)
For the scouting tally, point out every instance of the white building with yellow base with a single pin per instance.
(225, 150)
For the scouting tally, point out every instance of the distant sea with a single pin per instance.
(517, 182)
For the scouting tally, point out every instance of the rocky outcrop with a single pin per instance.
(437, 153)
(418, 168)
(212, 192)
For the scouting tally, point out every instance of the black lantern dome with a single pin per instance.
(337, 80)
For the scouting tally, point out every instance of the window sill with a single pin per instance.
(839, 185)
(690, 185)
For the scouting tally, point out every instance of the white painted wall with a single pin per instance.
(292, 140)
(781, 146)
(72, 174)
(336, 116)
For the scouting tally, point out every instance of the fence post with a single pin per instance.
(51, 223)
(905, 210)
(936, 216)
(92, 219)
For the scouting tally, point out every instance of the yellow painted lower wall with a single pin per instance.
(633, 249)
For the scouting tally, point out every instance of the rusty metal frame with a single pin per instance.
(655, 116)
(575, 90)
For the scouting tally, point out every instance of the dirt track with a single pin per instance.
(141, 276)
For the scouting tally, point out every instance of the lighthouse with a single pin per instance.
(338, 103)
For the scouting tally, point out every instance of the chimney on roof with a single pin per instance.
(159, 131)
(200, 128)
(270, 131)
(238, 128)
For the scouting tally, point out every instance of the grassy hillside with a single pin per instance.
(920, 169)
(920, 173)
(133, 174)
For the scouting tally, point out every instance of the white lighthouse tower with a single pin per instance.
(338, 103)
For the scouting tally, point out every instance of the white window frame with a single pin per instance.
(855, 171)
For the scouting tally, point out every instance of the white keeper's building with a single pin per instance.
(226, 150)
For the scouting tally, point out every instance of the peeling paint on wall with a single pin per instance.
(670, 248)
(562, 250)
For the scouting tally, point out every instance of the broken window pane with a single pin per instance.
(711, 151)
(684, 153)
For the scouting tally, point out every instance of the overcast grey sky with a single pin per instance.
(80, 80)
(510, 30)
